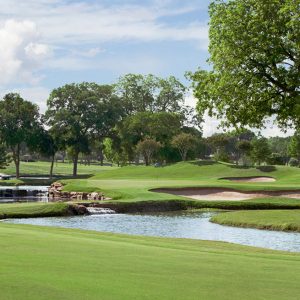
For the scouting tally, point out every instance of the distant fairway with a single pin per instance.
(43, 168)
(133, 183)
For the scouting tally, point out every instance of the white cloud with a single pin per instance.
(21, 53)
(80, 25)
(90, 53)
(37, 95)
(86, 22)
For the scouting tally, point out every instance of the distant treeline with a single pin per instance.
(138, 119)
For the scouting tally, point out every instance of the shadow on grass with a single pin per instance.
(266, 168)
(239, 167)
(203, 163)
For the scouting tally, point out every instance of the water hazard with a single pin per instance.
(193, 225)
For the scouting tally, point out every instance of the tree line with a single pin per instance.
(138, 116)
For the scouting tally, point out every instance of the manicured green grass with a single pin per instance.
(43, 168)
(285, 220)
(51, 263)
(134, 182)
(21, 210)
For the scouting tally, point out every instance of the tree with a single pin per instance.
(147, 148)
(218, 142)
(149, 93)
(114, 152)
(294, 146)
(159, 126)
(244, 147)
(260, 150)
(5, 158)
(238, 141)
(80, 113)
(18, 120)
(46, 143)
(184, 142)
(255, 56)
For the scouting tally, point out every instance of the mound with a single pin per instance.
(222, 194)
(250, 179)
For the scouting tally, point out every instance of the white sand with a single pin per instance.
(219, 194)
(250, 179)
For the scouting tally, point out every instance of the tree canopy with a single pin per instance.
(81, 112)
(18, 121)
(150, 93)
(255, 58)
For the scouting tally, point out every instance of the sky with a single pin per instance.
(45, 44)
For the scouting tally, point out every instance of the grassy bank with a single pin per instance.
(283, 220)
(30, 210)
(72, 264)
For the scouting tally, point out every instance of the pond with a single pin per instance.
(23, 193)
(192, 225)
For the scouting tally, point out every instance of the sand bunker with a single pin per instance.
(220, 194)
(250, 179)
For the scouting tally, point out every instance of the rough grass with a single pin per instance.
(51, 263)
(283, 220)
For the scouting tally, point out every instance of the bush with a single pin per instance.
(294, 162)
(276, 159)
(222, 156)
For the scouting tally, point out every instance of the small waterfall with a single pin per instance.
(100, 211)
(23, 194)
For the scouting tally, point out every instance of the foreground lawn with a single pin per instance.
(285, 220)
(51, 263)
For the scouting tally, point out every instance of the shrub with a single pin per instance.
(294, 162)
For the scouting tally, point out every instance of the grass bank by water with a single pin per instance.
(73, 264)
(32, 210)
(283, 220)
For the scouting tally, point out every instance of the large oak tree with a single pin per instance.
(82, 112)
(255, 58)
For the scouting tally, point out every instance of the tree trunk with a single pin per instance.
(75, 163)
(16, 159)
(101, 156)
(184, 154)
(52, 166)
(17, 168)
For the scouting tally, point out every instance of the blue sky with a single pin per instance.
(48, 43)
(61, 41)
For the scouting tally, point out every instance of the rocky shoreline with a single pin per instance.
(56, 193)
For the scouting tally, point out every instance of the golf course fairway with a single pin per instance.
(53, 263)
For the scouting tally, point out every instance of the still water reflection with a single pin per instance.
(193, 225)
